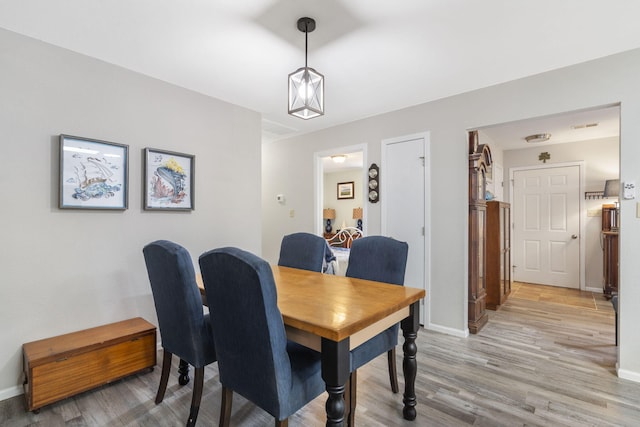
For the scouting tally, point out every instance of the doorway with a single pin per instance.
(350, 170)
(589, 137)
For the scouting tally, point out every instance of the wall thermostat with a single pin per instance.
(629, 190)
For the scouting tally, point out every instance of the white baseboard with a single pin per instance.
(597, 290)
(10, 392)
(628, 375)
(449, 331)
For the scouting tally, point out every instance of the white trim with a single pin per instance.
(627, 375)
(460, 333)
(10, 392)
(425, 312)
(318, 184)
(583, 212)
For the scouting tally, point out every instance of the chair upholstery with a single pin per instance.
(303, 250)
(380, 259)
(184, 329)
(254, 357)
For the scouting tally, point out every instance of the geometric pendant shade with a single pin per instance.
(306, 93)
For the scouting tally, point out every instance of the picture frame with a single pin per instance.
(345, 190)
(169, 180)
(93, 174)
(489, 174)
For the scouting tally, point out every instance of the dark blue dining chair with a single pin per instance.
(380, 259)
(184, 329)
(254, 357)
(303, 250)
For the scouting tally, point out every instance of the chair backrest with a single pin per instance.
(251, 343)
(303, 250)
(378, 258)
(178, 302)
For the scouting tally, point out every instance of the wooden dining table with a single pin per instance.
(335, 314)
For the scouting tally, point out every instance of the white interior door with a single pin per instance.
(403, 180)
(546, 226)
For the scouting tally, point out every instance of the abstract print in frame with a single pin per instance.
(93, 174)
(168, 180)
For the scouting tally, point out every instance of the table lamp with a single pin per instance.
(328, 214)
(357, 214)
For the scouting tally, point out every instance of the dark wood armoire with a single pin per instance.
(479, 162)
(498, 236)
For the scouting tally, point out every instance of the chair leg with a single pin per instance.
(350, 394)
(183, 370)
(393, 372)
(347, 399)
(197, 396)
(225, 410)
(282, 423)
(164, 377)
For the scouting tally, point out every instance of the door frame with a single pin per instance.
(582, 217)
(318, 185)
(425, 313)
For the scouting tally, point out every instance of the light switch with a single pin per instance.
(292, 213)
(638, 210)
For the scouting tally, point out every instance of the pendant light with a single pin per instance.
(306, 85)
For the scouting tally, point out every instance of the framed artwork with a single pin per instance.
(345, 190)
(489, 174)
(168, 180)
(93, 174)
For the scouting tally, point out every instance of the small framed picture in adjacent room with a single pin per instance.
(169, 182)
(345, 190)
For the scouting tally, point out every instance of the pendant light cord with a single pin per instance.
(306, 37)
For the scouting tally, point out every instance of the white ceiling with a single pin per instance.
(376, 55)
(352, 161)
(568, 127)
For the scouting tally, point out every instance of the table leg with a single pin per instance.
(335, 373)
(410, 327)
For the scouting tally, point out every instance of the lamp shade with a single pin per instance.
(611, 188)
(329, 213)
(357, 213)
(306, 93)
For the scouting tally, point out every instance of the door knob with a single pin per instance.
(574, 236)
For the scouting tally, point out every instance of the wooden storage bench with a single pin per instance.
(59, 367)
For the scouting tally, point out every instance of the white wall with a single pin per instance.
(65, 270)
(600, 157)
(288, 168)
(344, 207)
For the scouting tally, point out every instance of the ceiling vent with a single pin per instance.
(588, 125)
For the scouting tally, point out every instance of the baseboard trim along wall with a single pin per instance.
(10, 392)
(449, 331)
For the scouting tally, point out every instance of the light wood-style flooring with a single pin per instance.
(542, 360)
